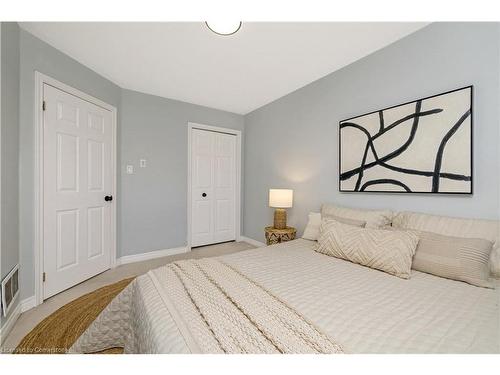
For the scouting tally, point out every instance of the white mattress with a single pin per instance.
(363, 310)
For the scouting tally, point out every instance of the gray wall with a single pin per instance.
(292, 142)
(9, 256)
(151, 204)
(36, 55)
(154, 199)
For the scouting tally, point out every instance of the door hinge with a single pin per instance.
(43, 106)
(44, 277)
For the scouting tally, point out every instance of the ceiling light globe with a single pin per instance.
(224, 27)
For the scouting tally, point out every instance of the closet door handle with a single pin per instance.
(108, 198)
(204, 195)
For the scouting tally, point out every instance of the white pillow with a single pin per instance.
(312, 228)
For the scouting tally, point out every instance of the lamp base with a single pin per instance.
(279, 218)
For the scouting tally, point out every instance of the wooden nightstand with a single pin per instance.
(274, 236)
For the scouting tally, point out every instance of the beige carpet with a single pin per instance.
(59, 331)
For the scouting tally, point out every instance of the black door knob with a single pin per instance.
(108, 198)
(204, 195)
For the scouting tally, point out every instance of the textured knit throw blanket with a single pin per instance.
(214, 307)
(219, 310)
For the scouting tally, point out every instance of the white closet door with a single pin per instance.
(224, 187)
(213, 179)
(202, 189)
(77, 165)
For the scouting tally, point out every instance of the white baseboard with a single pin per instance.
(23, 306)
(251, 241)
(150, 255)
(28, 303)
(9, 323)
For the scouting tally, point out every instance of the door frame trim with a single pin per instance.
(40, 80)
(237, 205)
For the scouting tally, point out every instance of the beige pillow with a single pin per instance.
(312, 228)
(455, 226)
(463, 259)
(372, 218)
(385, 250)
(345, 220)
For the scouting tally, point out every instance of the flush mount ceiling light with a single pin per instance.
(223, 27)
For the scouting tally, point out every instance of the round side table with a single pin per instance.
(274, 236)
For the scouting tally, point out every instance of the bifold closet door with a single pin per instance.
(213, 179)
(77, 187)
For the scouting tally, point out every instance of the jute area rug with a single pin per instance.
(59, 331)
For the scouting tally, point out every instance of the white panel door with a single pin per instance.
(77, 176)
(213, 179)
(202, 180)
(224, 187)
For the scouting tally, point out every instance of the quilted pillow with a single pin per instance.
(385, 250)
(345, 220)
(463, 259)
(312, 229)
(372, 218)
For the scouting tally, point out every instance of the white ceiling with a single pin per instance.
(238, 73)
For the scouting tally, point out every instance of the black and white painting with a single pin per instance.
(423, 146)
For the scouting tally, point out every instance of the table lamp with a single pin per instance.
(280, 199)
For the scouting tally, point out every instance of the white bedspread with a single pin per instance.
(363, 310)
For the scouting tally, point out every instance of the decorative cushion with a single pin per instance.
(312, 229)
(456, 258)
(385, 250)
(454, 226)
(372, 218)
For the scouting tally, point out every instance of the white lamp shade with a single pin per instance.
(280, 198)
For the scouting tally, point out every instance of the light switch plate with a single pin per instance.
(130, 169)
(142, 163)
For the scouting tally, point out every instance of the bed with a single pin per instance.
(360, 309)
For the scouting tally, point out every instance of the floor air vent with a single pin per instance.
(10, 289)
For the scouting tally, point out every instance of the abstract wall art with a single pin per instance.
(424, 146)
